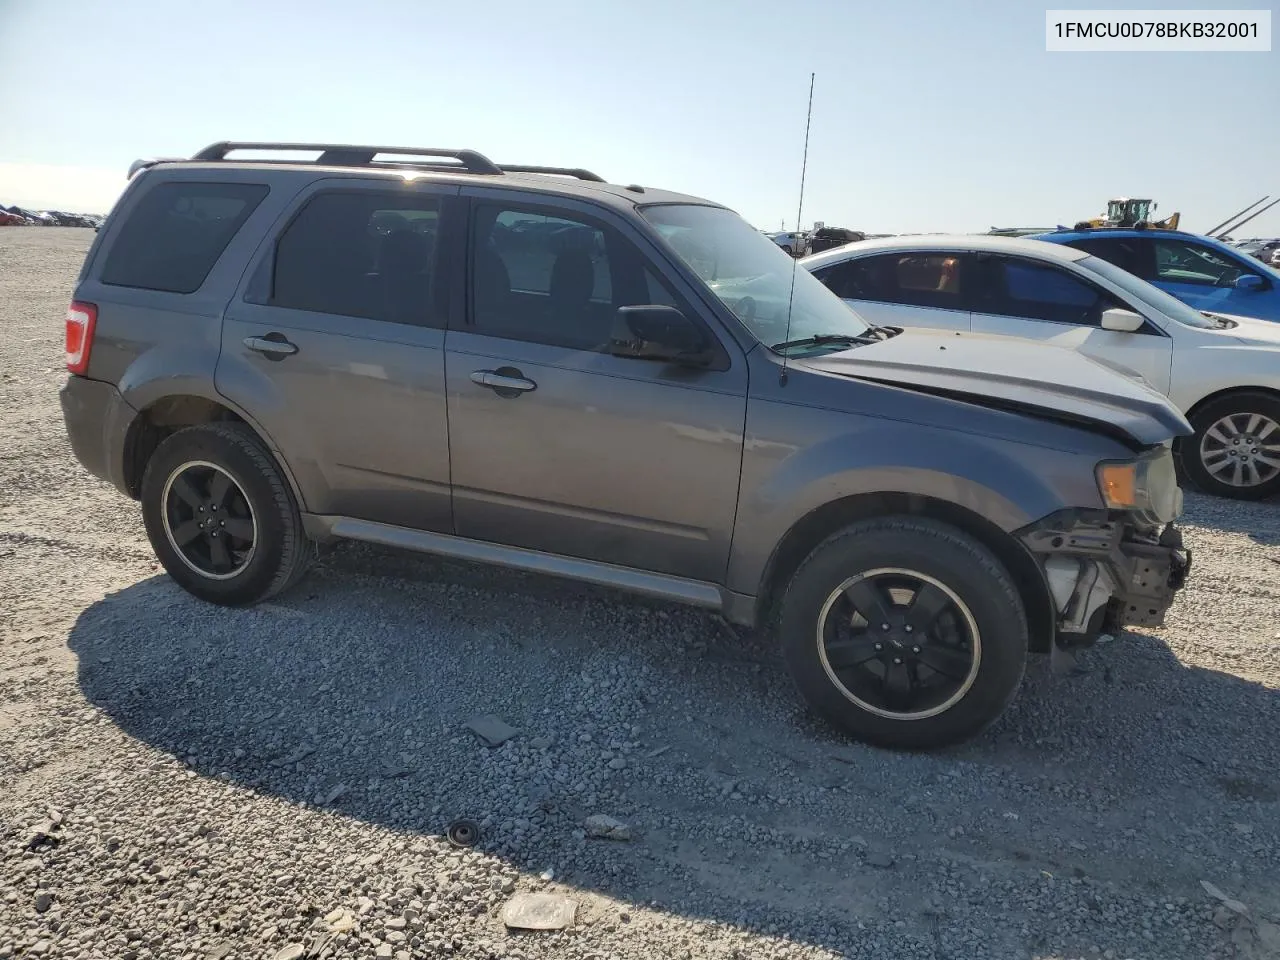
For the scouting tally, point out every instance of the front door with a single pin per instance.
(1041, 301)
(559, 446)
(1205, 277)
(337, 346)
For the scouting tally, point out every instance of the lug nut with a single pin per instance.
(915, 649)
(897, 660)
(884, 626)
(879, 646)
(908, 628)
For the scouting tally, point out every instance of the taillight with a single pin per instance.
(81, 319)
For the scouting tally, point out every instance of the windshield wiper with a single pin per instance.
(821, 339)
(1221, 322)
(884, 333)
(869, 336)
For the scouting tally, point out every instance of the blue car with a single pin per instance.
(1200, 271)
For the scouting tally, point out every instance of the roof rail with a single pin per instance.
(562, 171)
(351, 155)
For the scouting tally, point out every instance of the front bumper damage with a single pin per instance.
(1104, 572)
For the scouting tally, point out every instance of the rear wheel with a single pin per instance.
(1236, 448)
(904, 632)
(220, 517)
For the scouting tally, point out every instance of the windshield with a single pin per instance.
(752, 275)
(1148, 294)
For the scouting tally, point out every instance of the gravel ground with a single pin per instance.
(183, 781)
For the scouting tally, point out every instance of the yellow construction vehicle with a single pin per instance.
(1129, 212)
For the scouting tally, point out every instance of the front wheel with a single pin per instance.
(904, 632)
(1235, 451)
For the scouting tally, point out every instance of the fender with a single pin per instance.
(868, 455)
(186, 370)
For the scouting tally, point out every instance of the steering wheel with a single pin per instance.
(745, 308)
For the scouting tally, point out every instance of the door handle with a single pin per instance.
(506, 382)
(273, 346)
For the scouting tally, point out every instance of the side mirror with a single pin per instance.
(1121, 320)
(658, 332)
(1249, 281)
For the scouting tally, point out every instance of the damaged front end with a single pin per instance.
(1106, 570)
(1120, 565)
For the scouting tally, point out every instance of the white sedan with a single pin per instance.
(1223, 372)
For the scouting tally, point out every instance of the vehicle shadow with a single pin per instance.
(747, 813)
(1259, 519)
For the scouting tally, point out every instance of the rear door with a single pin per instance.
(916, 288)
(336, 344)
(1019, 297)
(558, 445)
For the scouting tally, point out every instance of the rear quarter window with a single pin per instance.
(176, 233)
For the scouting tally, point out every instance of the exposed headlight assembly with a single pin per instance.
(1147, 486)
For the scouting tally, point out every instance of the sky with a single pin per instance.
(945, 115)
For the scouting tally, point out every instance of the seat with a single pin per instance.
(573, 278)
(492, 288)
(404, 274)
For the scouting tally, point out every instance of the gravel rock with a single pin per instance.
(493, 731)
(606, 827)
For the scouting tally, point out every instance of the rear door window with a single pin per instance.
(1133, 254)
(930, 280)
(361, 253)
(866, 278)
(915, 279)
(176, 233)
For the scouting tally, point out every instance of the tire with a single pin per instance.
(979, 602)
(227, 459)
(1256, 415)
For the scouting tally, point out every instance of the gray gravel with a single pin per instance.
(181, 781)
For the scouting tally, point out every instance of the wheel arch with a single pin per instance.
(168, 414)
(1204, 401)
(816, 526)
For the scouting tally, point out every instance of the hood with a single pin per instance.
(1076, 337)
(1008, 373)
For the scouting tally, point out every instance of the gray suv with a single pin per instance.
(532, 367)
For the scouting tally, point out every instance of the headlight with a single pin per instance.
(1148, 486)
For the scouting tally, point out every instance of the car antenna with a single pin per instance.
(795, 263)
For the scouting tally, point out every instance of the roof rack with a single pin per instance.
(350, 155)
(562, 171)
